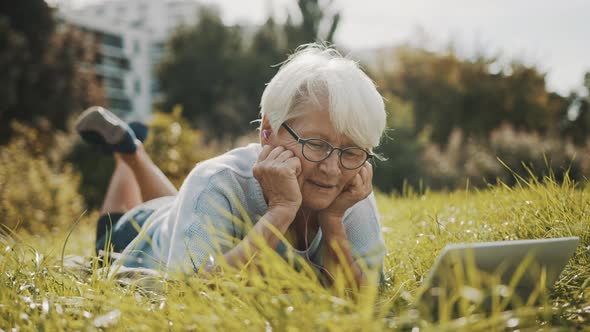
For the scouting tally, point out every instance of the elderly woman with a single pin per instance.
(310, 178)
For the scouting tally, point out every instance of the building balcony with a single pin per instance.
(115, 93)
(122, 113)
(110, 71)
(112, 51)
(121, 105)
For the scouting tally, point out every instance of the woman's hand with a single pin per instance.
(357, 189)
(277, 170)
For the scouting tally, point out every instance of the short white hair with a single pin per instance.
(319, 75)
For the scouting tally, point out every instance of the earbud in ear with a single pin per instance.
(265, 133)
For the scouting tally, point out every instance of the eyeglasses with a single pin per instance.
(316, 150)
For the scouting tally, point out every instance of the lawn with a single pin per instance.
(42, 291)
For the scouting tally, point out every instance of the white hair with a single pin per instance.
(320, 76)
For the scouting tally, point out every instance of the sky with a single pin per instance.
(553, 35)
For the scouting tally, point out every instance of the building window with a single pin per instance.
(124, 64)
(157, 48)
(112, 40)
(114, 83)
(137, 86)
(154, 87)
(122, 104)
(136, 46)
(109, 61)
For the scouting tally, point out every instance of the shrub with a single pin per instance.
(462, 162)
(526, 152)
(37, 192)
(95, 171)
(506, 156)
(402, 165)
(174, 146)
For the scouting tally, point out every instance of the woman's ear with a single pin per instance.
(265, 131)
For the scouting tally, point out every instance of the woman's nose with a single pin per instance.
(331, 165)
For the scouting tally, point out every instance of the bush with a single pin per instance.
(507, 156)
(401, 169)
(37, 192)
(174, 146)
(526, 153)
(462, 162)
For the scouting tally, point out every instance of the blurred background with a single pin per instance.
(477, 92)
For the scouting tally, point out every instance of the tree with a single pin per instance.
(40, 79)
(575, 121)
(202, 71)
(218, 73)
(315, 25)
(447, 92)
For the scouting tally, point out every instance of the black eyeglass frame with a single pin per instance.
(302, 141)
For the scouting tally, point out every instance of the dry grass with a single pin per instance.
(39, 293)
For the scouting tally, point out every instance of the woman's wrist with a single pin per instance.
(283, 212)
(330, 218)
(331, 225)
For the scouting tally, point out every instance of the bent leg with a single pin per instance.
(122, 195)
(123, 192)
(151, 180)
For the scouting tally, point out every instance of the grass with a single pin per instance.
(37, 293)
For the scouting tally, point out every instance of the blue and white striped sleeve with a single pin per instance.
(205, 227)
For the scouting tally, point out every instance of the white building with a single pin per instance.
(130, 35)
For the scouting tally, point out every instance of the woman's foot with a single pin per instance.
(140, 130)
(100, 127)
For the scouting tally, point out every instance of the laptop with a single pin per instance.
(494, 275)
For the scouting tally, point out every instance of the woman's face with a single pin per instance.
(321, 181)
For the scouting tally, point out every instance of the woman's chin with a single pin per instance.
(317, 203)
(315, 199)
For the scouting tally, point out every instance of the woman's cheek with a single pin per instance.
(349, 178)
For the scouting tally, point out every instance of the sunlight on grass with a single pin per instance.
(38, 294)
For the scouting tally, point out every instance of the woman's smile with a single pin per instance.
(321, 185)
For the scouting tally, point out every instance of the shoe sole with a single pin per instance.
(97, 120)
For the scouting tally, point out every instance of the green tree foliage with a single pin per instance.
(452, 120)
(575, 123)
(217, 72)
(205, 71)
(316, 24)
(448, 92)
(400, 147)
(38, 63)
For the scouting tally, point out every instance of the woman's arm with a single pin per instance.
(277, 217)
(338, 258)
(336, 251)
(276, 169)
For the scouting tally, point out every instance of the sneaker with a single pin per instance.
(100, 127)
(140, 130)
